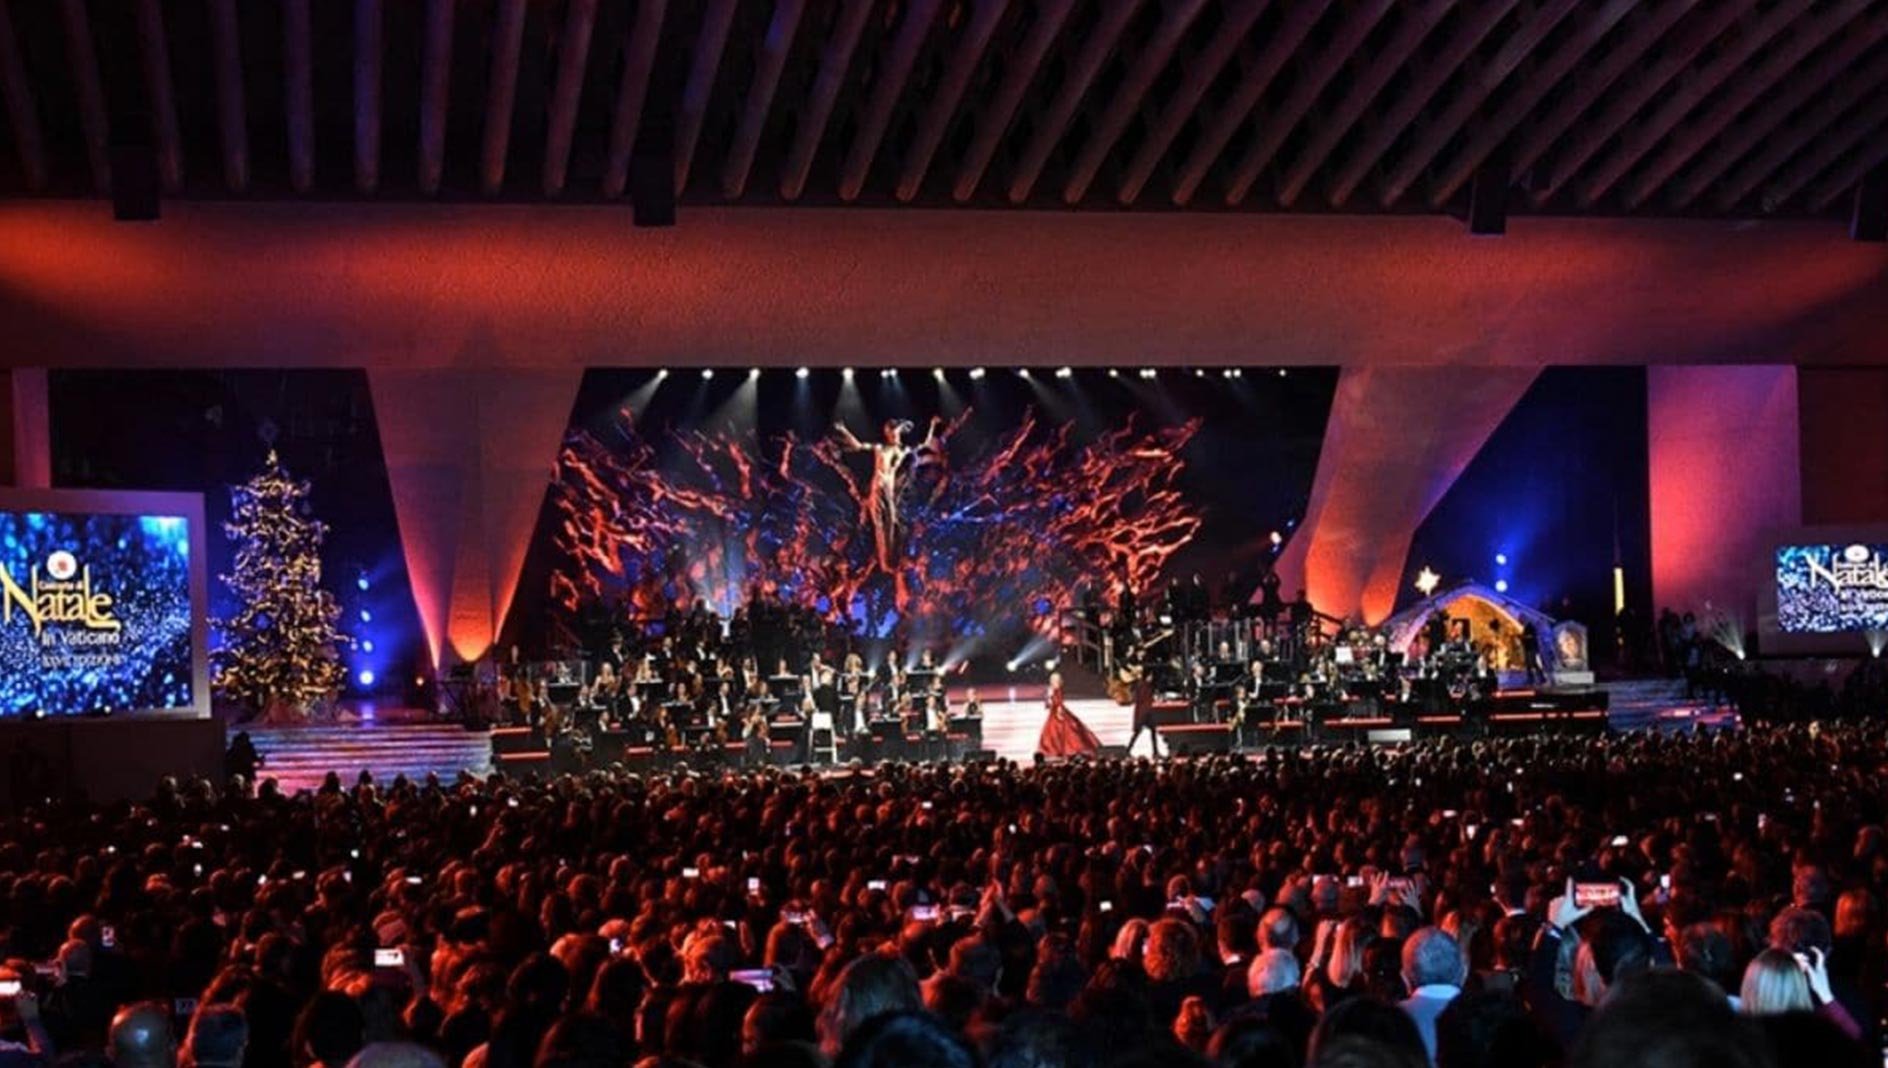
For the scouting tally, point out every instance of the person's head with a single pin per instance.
(978, 962)
(1705, 951)
(1366, 1031)
(218, 1036)
(1273, 971)
(905, 1040)
(1798, 930)
(1247, 1042)
(1615, 946)
(580, 1040)
(1278, 929)
(1432, 958)
(870, 986)
(141, 1037)
(329, 1030)
(1032, 1039)
(1484, 1030)
(1173, 951)
(396, 1055)
(1663, 1018)
(1774, 983)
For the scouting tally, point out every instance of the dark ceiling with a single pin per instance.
(1739, 108)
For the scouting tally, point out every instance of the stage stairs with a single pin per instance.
(1639, 704)
(299, 757)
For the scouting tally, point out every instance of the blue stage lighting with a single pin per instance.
(1501, 559)
(366, 616)
(362, 582)
(1501, 585)
(367, 678)
(367, 645)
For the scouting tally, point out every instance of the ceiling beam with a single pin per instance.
(1829, 147)
(1019, 71)
(1257, 79)
(1763, 125)
(22, 108)
(1517, 105)
(950, 91)
(834, 59)
(1739, 95)
(502, 94)
(1691, 39)
(1427, 82)
(700, 87)
(298, 93)
(231, 112)
(1276, 125)
(1674, 107)
(1417, 21)
(1200, 75)
(369, 45)
(154, 46)
(1148, 65)
(1777, 151)
(639, 62)
(573, 58)
(1095, 53)
(1849, 172)
(1480, 82)
(435, 94)
(886, 89)
(1635, 40)
(89, 87)
(774, 49)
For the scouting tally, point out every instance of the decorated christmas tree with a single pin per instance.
(280, 654)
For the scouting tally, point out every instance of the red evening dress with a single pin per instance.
(1062, 734)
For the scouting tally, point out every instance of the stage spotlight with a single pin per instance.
(1199, 372)
(1051, 664)
(367, 678)
(1022, 372)
(976, 374)
(1064, 372)
(937, 373)
(1114, 372)
(1277, 539)
(846, 374)
(662, 374)
(1282, 372)
(801, 373)
(1147, 372)
(367, 645)
(707, 373)
(753, 372)
(366, 616)
(1501, 559)
(1501, 585)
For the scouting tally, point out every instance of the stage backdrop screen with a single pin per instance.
(1827, 588)
(101, 604)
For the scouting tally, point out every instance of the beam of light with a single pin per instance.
(1037, 648)
(1725, 629)
(802, 373)
(846, 374)
(1877, 641)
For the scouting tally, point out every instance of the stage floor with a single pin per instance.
(390, 743)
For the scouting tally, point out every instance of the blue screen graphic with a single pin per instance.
(95, 613)
(1832, 589)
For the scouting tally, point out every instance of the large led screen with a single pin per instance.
(101, 604)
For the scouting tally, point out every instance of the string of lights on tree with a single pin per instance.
(281, 652)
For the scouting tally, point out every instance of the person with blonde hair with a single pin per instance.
(1777, 982)
(1129, 941)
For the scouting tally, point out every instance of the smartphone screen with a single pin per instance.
(1107, 906)
(1620, 841)
(753, 885)
(389, 958)
(691, 873)
(875, 884)
(924, 913)
(1596, 895)
(9, 988)
(761, 979)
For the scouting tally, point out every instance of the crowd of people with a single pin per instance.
(1668, 900)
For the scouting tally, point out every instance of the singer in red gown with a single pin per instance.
(1062, 734)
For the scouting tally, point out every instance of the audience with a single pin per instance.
(1444, 903)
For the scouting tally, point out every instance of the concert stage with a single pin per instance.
(300, 757)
